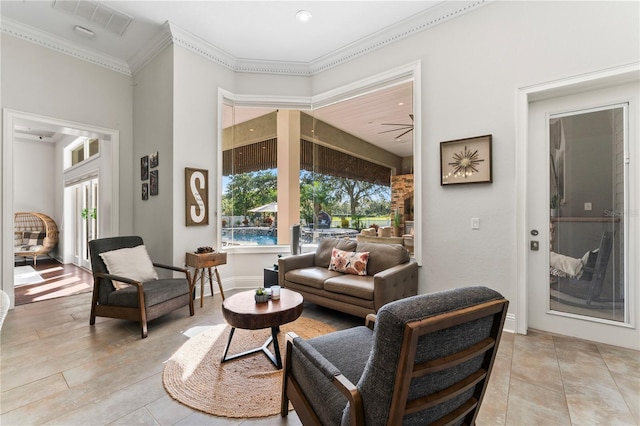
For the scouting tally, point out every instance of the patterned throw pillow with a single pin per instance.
(349, 262)
(34, 238)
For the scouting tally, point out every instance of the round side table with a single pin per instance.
(242, 311)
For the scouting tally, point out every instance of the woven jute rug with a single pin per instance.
(241, 388)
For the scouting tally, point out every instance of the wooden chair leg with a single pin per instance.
(94, 302)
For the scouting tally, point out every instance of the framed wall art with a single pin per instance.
(153, 160)
(466, 161)
(144, 168)
(145, 190)
(153, 182)
(196, 196)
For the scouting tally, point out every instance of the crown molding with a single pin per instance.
(157, 44)
(172, 34)
(427, 19)
(41, 38)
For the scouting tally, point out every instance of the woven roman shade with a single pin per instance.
(320, 159)
(250, 158)
(313, 158)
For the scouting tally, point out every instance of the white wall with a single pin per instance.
(472, 67)
(195, 115)
(33, 161)
(153, 132)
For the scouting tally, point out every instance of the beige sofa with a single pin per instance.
(391, 275)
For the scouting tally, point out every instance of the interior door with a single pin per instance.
(579, 197)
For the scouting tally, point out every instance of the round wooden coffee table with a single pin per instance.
(242, 311)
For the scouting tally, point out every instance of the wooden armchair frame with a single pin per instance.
(408, 370)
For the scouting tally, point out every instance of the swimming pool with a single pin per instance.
(249, 236)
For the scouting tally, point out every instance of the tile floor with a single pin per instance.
(56, 369)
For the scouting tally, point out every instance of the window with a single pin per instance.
(80, 150)
(338, 183)
(313, 157)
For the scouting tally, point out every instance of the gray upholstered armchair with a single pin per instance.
(126, 286)
(421, 360)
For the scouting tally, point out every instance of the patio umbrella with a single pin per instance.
(267, 208)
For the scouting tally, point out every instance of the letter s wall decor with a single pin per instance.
(197, 196)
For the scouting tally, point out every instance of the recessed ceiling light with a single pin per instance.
(303, 16)
(400, 103)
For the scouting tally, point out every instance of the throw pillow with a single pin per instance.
(34, 238)
(133, 263)
(349, 262)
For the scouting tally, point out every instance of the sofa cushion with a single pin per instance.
(383, 256)
(349, 262)
(314, 276)
(351, 285)
(325, 247)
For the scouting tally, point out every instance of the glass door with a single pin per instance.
(587, 212)
(86, 214)
(579, 195)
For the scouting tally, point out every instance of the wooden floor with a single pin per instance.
(56, 368)
(59, 280)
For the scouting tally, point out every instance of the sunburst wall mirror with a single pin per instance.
(466, 161)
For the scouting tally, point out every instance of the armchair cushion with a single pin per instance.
(155, 291)
(316, 361)
(133, 263)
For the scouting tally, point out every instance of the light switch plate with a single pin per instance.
(475, 223)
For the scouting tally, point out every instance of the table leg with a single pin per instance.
(219, 282)
(276, 360)
(201, 287)
(276, 347)
(211, 282)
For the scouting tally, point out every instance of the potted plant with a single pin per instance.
(261, 295)
(554, 205)
(397, 221)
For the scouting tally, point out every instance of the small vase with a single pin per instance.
(261, 298)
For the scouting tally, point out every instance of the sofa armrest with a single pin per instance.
(395, 283)
(296, 261)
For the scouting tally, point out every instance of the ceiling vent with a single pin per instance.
(93, 11)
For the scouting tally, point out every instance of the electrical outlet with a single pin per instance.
(475, 223)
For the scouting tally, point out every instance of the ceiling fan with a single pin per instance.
(404, 128)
